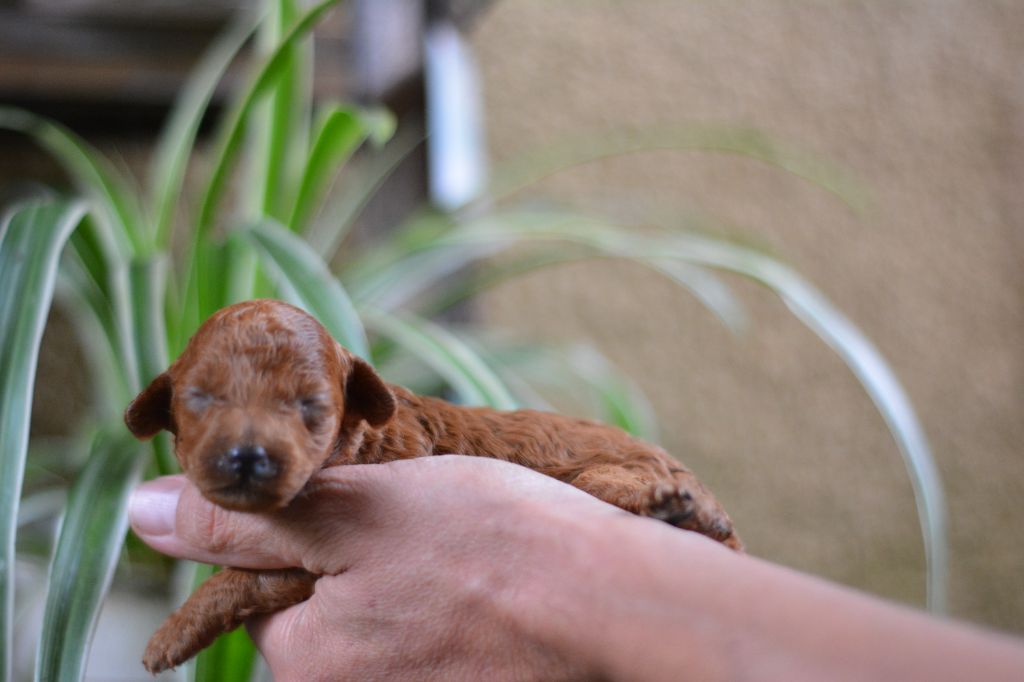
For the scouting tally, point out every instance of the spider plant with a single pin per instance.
(140, 269)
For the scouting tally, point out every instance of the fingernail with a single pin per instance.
(152, 506)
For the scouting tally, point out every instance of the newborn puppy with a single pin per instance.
(263, 397)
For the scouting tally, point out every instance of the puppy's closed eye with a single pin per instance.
(197, 400)
(314, 411)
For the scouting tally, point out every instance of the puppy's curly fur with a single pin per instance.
(263, 397)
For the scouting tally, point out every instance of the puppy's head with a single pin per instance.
(261, 397)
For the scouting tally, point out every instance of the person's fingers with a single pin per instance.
(314, 633)
(339, 514)
(275, 634)
(171, 516)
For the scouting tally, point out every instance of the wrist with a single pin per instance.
(603, 592)
(655, 627)
(616, 600)
(551, 589)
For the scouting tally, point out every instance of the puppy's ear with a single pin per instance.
(151, 410)
(367, 396)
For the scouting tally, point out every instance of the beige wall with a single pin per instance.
(921, 99)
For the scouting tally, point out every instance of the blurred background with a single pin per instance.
(920, 102)
(924, 103)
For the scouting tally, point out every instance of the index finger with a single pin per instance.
(171, 516)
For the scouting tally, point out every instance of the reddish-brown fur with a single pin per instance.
(265, 373)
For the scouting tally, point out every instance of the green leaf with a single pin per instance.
(305, 281)
(147, 280)
(465, 371)
(87, 551)
(240, 270)
(203, 288)
(577, 377)
(708, 288)
(390, 286)
(279, 121)
(92, 320)
(328, 231)
(116, 231)
(31, 240)
(451, 291)
(115, 200)
(230, 136)
(178, 136)
(106, 264)
(865, 361)
(340, 132)
(400, 273)
(621, 401)
(534, 166)
(809, 306)
(232, 657)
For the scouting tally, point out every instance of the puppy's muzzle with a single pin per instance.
(247, 464)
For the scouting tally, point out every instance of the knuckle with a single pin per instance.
(205, 525)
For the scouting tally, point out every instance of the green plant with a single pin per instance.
(140, 274)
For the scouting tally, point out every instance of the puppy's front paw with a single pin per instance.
(168, 648)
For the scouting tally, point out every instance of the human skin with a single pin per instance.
(455, 567)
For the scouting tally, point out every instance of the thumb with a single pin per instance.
(171, 516)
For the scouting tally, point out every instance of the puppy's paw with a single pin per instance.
(180, 637)
(671, 503)
(165, 650)
(676, 504)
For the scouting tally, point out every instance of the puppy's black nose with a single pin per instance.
(248, 462)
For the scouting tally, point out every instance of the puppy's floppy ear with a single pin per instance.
(151, 410)
(367, 396)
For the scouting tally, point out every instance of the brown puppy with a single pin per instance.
(263, 397)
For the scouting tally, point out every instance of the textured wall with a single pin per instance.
(921, 99)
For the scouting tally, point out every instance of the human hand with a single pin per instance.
(471, 568)
(434, 568)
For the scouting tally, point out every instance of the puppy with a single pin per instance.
(263, 397)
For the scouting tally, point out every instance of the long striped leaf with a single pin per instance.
(542, 376)
(147, 279)
(340, 131)
(232, 130)
(809, 306)
(31, 240)
(87, 551)
(92, 174)
(404, 271)
(708, 288)
(865, 361)
(620, 401)
(116, 228)
(92, 320)
(198, 301)
(179, 134)
(278, 125)
(231, 658)
(305, 281)
(328, 231)
(106, 263)
(465, 371)
(534, 166)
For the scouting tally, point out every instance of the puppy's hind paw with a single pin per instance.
(671, 503)
(678, 505)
